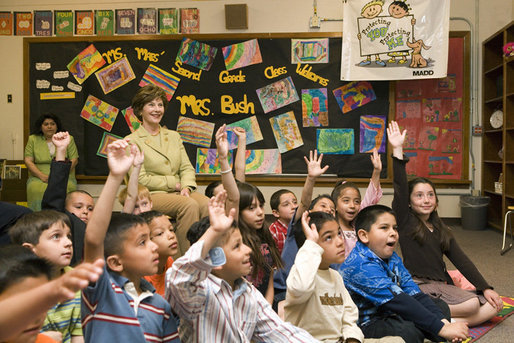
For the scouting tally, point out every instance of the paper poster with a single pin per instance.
(411, 167)
(242, 54)
(99, 112)
(168, 21)
(6, 24)
(441, 166)
(131, 119)
(451, 141)
(207, 161)
(23, 23)
(57, 95)
(277, 94)
(115, 75)
(354, 95)
(146, 21)
(286, 132)
(372, 133)
(43, 23)
(189, 20)
(194, 131)
(85, 63)
(104, 20)
(411, 138)
(408, 109)
(63, 23)
(84, 23)
(314, 107)
(156, 76)
(428, 138)
(251, 126)
(125, 22)
(335, 141)
(107, 139)
(263, 161)
(196, 54)
(441, 110)
(309, 50)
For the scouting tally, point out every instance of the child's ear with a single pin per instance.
(30, 246)
(114, 263)
(275, 213)
(363, 236)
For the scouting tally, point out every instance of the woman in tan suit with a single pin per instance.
(166, 172)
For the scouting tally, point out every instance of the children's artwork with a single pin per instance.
(286, 131)
(196, 54)
(125, 21)
(428, 138)
(156, 76)
(372, 129)
(354, 95)
(314, 107)
(242, 54)
(131, 119)
(251, 126)
(277, 94)
(168, 21)
(23, 23)
(104, 20)
(99, 112)
(194, 131)
(263, 161)
(232, 138)
(63, 23)
(411, 138)
(115, 75)
(207, 161)
(447, 84)
(107, 139)
(408, 109)
(441, 110)
(335, 141)
(189, 20)
(309, 51)
(146, 20)
(43, 23)
(451, 141)
(6, 23)
(440, 166)
(86, 63)
(410, 168)
(84, 23)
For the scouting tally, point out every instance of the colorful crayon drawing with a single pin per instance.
(440, 165)
(107, 139)
(207, 161)
(115, 75)
(131, 119)
(372, 136)
(99, 112)
(411, 137)
(251, 126)
(353, 95)
(231, 138)
(410, 168)
(451, 141)
(286, 132)
(408, 109)
(428, 138)
(432, 110)
(277, 94)
(309, 51)
(196, 54)
(86, 63)
(161, 78)
(242, 54)
(335, 141)
(168, 21)
(263, 161)
(442, 110)
(314, 107)
(194, 131)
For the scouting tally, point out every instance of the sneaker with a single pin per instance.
(365, 63)
(392, 60)
(402, 61)
(380, 63)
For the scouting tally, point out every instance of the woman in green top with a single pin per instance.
(39, 152)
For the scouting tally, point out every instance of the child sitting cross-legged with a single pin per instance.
(207, 289)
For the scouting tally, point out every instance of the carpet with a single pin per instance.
(477, 332)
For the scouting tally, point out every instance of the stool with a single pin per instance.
(510, 210)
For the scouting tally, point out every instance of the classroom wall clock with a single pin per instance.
(496, 119)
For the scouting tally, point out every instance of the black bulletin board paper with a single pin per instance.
(162, 52)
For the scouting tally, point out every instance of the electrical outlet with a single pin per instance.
(315, 22)
(476, 130)
(9, 98)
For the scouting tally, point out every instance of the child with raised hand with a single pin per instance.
(389, 302)
(283, 205)
(424, 239)
(347, 197)
(207, 289)
(121, 305)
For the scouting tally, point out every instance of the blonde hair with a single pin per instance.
(372, 3)
(142, 192)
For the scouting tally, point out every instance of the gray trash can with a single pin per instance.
(473, 212)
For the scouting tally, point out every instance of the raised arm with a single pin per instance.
(54, 197)
(377, 168)
(240, 160)
(227, 178)
(374, 191)
(130, 202)
(396, 139)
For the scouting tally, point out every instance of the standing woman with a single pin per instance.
(39, 153)
(166, 171)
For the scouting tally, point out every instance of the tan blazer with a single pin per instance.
(165, 166)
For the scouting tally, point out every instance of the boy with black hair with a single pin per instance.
(121, 305)
(283, 205)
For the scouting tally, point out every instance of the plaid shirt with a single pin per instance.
(279, 232)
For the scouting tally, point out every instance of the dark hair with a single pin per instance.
(151, 215)
(254, 238)
(274, 201)
(402, 4)
(421, 232)
(318, 198)
(39, 122)
(68, 196)
(146, 94)
(318, 218)
(28, 228)
(18, 263)
(116, 233)
(368, 216)
(340, 186)
(198, 229)
(209, 190)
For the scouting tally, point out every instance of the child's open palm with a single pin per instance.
(394, 135)
(220, 222)
(314, 164)
(375, 159)
(117, 159)
(311, 233)
(222, 142)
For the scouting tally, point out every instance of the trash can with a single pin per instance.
(473, 212)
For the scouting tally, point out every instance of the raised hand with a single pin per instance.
(69, 283)
(219, 221)
(139, 156)
(314, 164)
(61, 140)
(222, 141)
(311, 233)
(395, 137)
(117, 158)
(239, 132)
(375, 159)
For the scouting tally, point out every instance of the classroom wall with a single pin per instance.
(263, 16)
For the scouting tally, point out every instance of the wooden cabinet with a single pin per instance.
(498, 143)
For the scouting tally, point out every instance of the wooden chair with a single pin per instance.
(508, 219)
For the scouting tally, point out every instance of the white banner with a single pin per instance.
(395, 40)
